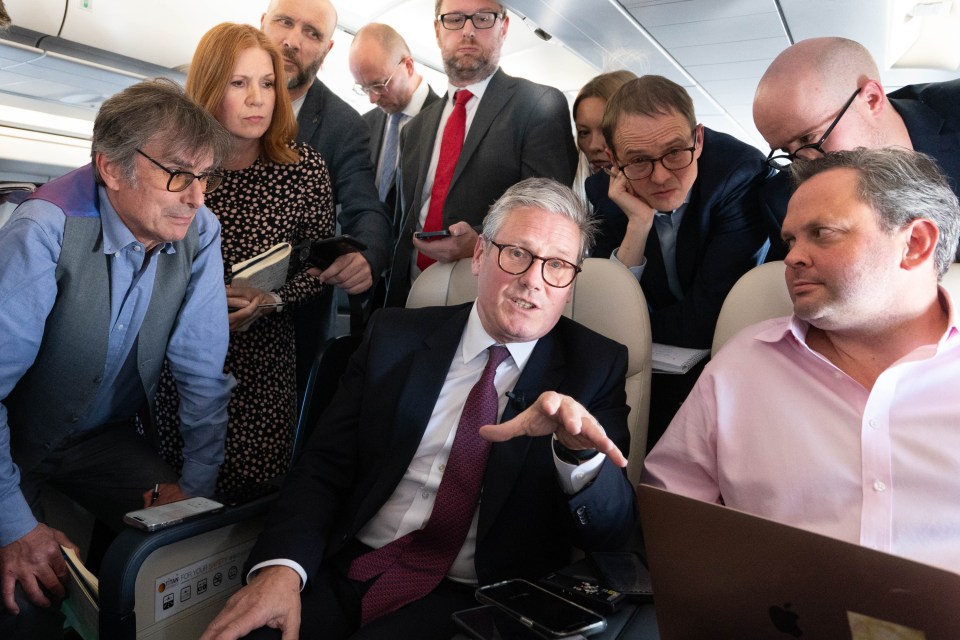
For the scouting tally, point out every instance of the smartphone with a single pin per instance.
(429, 235)
(588, 593)
(322, 253)
(622, 571)
(493, 623)
(543, 611)
(166, 515)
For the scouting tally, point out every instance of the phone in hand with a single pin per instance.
(546, 613)
(166, 515)
(431, 235)
(322, 253)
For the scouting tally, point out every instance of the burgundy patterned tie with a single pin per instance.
(412, 566)
(450, 145)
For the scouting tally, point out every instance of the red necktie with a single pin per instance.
(412, 566)
(450, 146)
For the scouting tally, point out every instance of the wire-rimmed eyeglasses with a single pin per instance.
(179, 180)
(516, 260)
(783, 160)
(378, 88)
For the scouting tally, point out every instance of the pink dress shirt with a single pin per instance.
(774, 429)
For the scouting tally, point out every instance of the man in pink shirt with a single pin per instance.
(844, 418)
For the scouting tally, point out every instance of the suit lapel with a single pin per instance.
(428, 371)
(544, 371)
(311, 112)
(498, 93)
(377, 123)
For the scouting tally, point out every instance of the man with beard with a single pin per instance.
(459, 155)
(303, 30)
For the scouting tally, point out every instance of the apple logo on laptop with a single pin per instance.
(785, 620)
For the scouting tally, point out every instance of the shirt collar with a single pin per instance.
(417, 99)
(798, 328)
(116, 235)
(476, 339)
(477, 89)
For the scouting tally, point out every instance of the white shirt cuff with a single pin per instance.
(280, 562)
(637, 271)
(574, 477)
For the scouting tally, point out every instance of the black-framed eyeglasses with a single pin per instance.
(378, 88)
(480, 20)
(783, 160)
(672, 160)
(515, 260)
(179, 180)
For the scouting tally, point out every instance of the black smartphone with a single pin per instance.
(493, 623)
(322, 253)
(429, 235)
(588, 593)
(543, 611)
(623, 571)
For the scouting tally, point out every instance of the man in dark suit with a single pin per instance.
(372, 472)
(384, 70)
(688, 196)
(804, 107)
(303, 30)
(515, 129)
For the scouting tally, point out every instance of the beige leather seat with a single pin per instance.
(606, 298)
(761, 293)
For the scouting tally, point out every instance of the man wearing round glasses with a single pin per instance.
(104, 273)
(375, 472)
(681, 212)
(460, 154)
(824, 94)
(384, 70)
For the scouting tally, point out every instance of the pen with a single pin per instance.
(156, 494)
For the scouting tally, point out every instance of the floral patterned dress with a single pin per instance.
(258, 207)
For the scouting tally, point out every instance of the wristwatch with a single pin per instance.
(572, 456)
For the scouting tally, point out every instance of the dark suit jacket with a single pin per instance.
(336, 130)
(931, 113)
(376, 120)
(520, 130)
(721, 238)
(365, 440)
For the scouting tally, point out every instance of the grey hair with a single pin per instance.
(155, 109)
(901, 186)
(547, 194)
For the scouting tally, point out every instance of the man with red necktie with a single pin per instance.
(461, 153)
(380, 531)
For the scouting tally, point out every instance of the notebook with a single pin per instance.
(722, 573)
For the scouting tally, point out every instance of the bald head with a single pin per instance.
(380, 62)
(805, 88)
(382, 36)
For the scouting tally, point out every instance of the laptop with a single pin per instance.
(722, 573)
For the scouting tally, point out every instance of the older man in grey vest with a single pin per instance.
(105, 272)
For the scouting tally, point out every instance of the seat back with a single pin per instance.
(322, 383)
(606, 298)
(759, 294)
